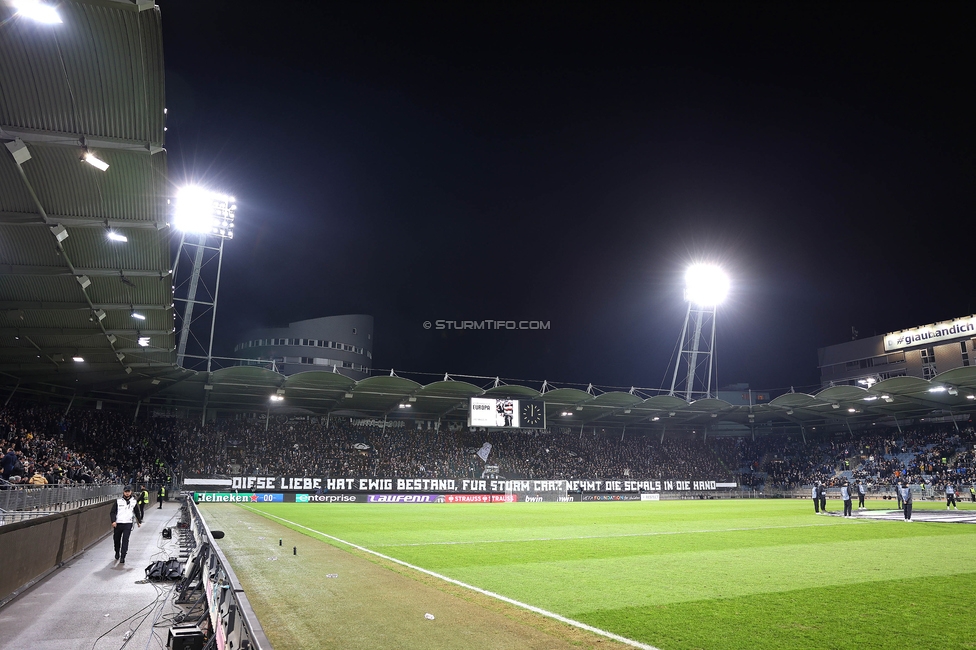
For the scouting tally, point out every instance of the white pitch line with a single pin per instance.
(490, 594)
(622, 535)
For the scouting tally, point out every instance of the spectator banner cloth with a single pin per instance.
(484, 451)
(453, 485)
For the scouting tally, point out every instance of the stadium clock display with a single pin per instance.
(533, 413)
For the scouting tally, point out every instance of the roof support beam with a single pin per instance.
(79, 331)
(23, 269)
(34, 219)
(128, 5)
(29, 305)
(77, 140)
(69, 350)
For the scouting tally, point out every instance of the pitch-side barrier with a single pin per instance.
(209, 576)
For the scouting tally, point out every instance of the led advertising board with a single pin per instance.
(933, 334)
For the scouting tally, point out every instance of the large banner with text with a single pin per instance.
(460, 486)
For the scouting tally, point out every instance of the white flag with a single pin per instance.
(484, 451)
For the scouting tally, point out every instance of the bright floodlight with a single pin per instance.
(204, 212)
(706, 285)
(116, 236)
(35, 10)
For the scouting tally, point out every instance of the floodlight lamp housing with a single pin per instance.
(60, 232)
(706, 285)
(18, 150)
(200, 211)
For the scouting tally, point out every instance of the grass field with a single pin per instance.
(672, 574)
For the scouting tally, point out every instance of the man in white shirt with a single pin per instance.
(124, 512)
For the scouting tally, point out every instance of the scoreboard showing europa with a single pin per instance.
(506, 413)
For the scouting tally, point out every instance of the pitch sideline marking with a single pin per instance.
(485, 592)
(565, 539)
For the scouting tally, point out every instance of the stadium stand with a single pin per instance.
(103, 447)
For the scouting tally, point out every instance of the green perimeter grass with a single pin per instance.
(680, 574)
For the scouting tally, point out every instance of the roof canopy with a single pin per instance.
(94, 84)
(393, 397)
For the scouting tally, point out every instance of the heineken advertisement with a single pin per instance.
(453, 485)
(238, 497)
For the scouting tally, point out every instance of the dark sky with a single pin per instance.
(564, 162)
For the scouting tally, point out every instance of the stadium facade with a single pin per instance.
(340, 343)
(921, 352)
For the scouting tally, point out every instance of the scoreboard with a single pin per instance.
(506, 413)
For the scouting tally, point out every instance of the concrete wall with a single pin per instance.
(32, 549)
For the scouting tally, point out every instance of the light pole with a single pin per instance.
(205, 220)
(706, 286)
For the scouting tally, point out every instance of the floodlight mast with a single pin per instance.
(201, 215)
(705, 287)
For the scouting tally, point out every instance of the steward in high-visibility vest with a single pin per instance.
(142, 501)
(160, 496)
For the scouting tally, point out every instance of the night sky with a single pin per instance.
(564, 162)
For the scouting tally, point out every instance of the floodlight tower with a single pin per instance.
(205, 220)
(706, 286)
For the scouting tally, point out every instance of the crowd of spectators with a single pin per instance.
(49, 445)
(931, 454)
(43, 445)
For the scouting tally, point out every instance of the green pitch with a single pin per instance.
(672, 574)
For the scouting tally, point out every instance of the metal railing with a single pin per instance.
(36, 501)
(229, 604)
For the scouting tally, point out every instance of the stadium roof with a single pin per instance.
(93, 83)
(392, 397)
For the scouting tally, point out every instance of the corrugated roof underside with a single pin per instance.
(101, 76)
